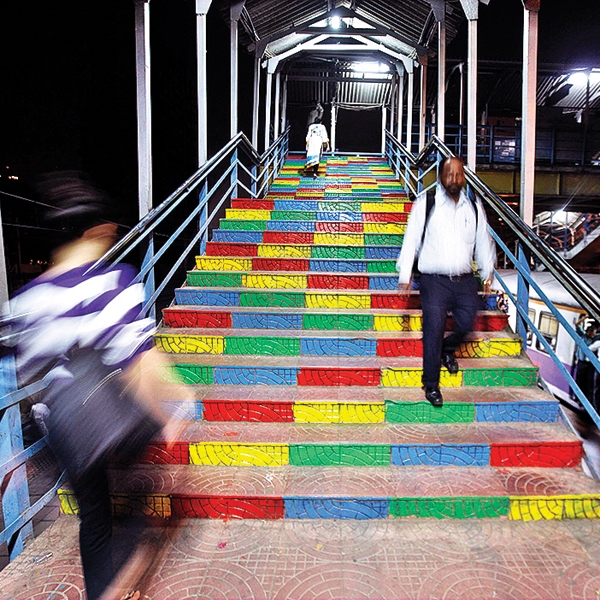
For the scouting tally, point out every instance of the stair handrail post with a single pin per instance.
(15, 493)
(522, 294)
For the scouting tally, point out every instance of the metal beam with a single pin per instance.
(268, 107)
(343, 13)
(255, 106)
(235, 11)
(284, 104)
(441, 105)
(400, 110)
(410, 104)
(528, 124)
(383, 123)
(333, 126)
(277, 104)
(338, 79)
(472, 96)
(423, 106)
(202, 7)
(144, 120)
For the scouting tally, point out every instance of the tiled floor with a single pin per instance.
(478, 559)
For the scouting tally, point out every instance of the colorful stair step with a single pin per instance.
(307, 237)
(236, 249)
(283, 319)
(327, 265)
(316, 371)
(321, 343)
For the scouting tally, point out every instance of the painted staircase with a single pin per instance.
(306, 365)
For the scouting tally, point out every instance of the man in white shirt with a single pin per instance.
(446, 243)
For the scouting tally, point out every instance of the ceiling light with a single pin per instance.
(371, 67)
(336, 22)
(578, 78)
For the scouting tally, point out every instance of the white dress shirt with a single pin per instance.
(451, 236)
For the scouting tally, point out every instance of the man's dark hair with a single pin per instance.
(318, 120)
(78, 204)
(447, 160)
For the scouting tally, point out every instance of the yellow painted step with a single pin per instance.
(338, 412)
(242, 455)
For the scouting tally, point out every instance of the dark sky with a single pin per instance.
(68, 94)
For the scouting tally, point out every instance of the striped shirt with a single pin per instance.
(53, 316)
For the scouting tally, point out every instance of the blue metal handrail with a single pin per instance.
(263, 170)
(437, 151)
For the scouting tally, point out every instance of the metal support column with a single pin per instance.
(400, 99)
(441, 104)
(423, 106)
(144, 121)
(202, 7)
(255, 106)
(333, 126)
(393, 104)
(383, 122)
(409, 109)
(284, 105)
(471, 8)
(144, 132)
(277, 105)
(270, 71)
(235, 12)
(528, 124)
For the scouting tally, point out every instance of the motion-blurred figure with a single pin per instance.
(316, 112)
(83, 328)
(316, 140)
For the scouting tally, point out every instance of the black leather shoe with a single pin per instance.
(434, 396)
(450, 363)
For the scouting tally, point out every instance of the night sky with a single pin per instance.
(68, 93)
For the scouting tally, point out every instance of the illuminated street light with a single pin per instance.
(336, 22)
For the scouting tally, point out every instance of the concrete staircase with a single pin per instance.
(307, 369)
(311, 466)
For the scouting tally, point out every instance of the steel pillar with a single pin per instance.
(284, 105)
(202, 7)
(423, 106)
(333, 126)
(255, 106)
(472, 96)
(268, 106)
(277, 105)
(409, 109)
(383, 122)
(528, 124)
(144, 121)
(235, 11)
(400, 109)
(441, 104)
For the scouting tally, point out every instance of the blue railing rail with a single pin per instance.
(501, 144)
(413, 169)
(240, 164)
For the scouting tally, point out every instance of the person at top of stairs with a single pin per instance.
(316, 140)
(445, 241)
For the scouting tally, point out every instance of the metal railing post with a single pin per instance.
(203, 202)
(15, 489)
(150, 284)
(15, 494)
(234, 173)
(522, 294)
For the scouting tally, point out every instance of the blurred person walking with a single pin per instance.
(82, 327)
(316, 140)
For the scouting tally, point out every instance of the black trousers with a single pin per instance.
(95, 531)
(584, 377)
(440, 294)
